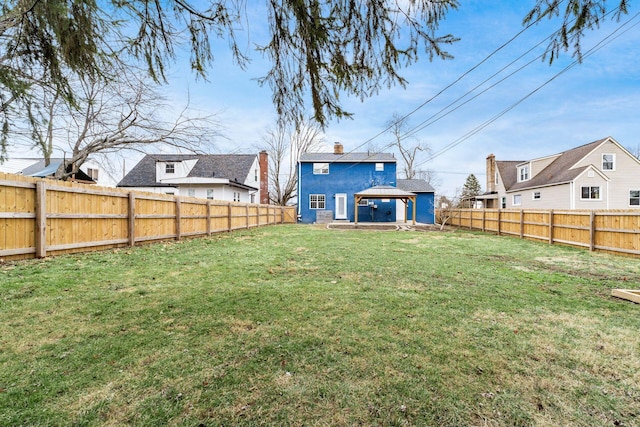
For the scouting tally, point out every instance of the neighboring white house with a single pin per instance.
(598, 175)
(90, 171)
(230, 177)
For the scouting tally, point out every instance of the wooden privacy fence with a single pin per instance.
(40, 217)
(610, 231)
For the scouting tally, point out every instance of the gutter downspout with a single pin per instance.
(299, 190)
(572, 195)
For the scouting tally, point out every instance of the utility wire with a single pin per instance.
(605, 41)
(447, 87)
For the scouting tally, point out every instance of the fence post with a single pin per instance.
(230, 217)
(247, 218)
(592, 231)
(208, 217)
(499, 220)
(484, 213)
(178, 218)
(41, 219)
(521, 223)
(551, 227)
(282, 215)
(132, 219)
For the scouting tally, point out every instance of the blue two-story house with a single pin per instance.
(330, 185)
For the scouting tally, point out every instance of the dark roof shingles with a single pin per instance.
(560, 170)
(227, 166)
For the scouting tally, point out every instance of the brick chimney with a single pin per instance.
(491, 173)
(338, 148)
(264, 177)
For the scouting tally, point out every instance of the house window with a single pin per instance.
(379, 167)
(93, 173)
(503, 203)
(608, 162)
(253, 198)
(496, 179)
(169, 168)
(210, 193)
(191, 192)
(517, 200)
(363, 202)
(321, 168)
(536, 195)
(255, 175)
(523, 173)
(590, 193)
(634, 197)
(316, 201)
(236, 196)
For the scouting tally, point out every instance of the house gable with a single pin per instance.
(233, 177)
(344, 175)
(598, 175)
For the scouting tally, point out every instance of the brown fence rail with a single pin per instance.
(609, 231)
(40, 217)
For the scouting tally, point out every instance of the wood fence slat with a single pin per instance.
(611, 231)
(41, 220)
(40, 217)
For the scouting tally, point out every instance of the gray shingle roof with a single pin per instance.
(348, 157)
(415, 185)
(560, 170)
(508, 172)
(226, 166)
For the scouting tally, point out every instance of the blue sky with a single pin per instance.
(592, 100)
(595, 99)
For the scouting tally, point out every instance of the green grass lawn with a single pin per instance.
(299, 325)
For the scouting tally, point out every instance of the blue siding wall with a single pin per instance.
(348, 178)
(425, 213)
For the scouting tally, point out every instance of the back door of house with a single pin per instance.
(341, 206)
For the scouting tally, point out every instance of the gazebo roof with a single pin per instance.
(385, 192)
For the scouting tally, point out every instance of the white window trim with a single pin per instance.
(630, 205)
(317, 201)
(613, 160)
(379, 167)
(520, 169)
(210, 194)
(590, 198)
(503, 202)
(513, 200)
(320, 169)
(169, 165)
(533, 195)
(363, 202)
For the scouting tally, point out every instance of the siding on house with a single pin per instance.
(231, 177)
(348, 174)
(625, 177)
(559, 179)
(425, 201)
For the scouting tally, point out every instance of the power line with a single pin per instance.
(447, 87)
(605, 41)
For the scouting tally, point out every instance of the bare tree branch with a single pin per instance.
(285, 145)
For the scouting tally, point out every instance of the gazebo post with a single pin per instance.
(414, 209)
(355, 198)
(406, 208)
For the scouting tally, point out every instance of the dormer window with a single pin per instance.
(608, 162)
(170, 168)
(523, 173)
